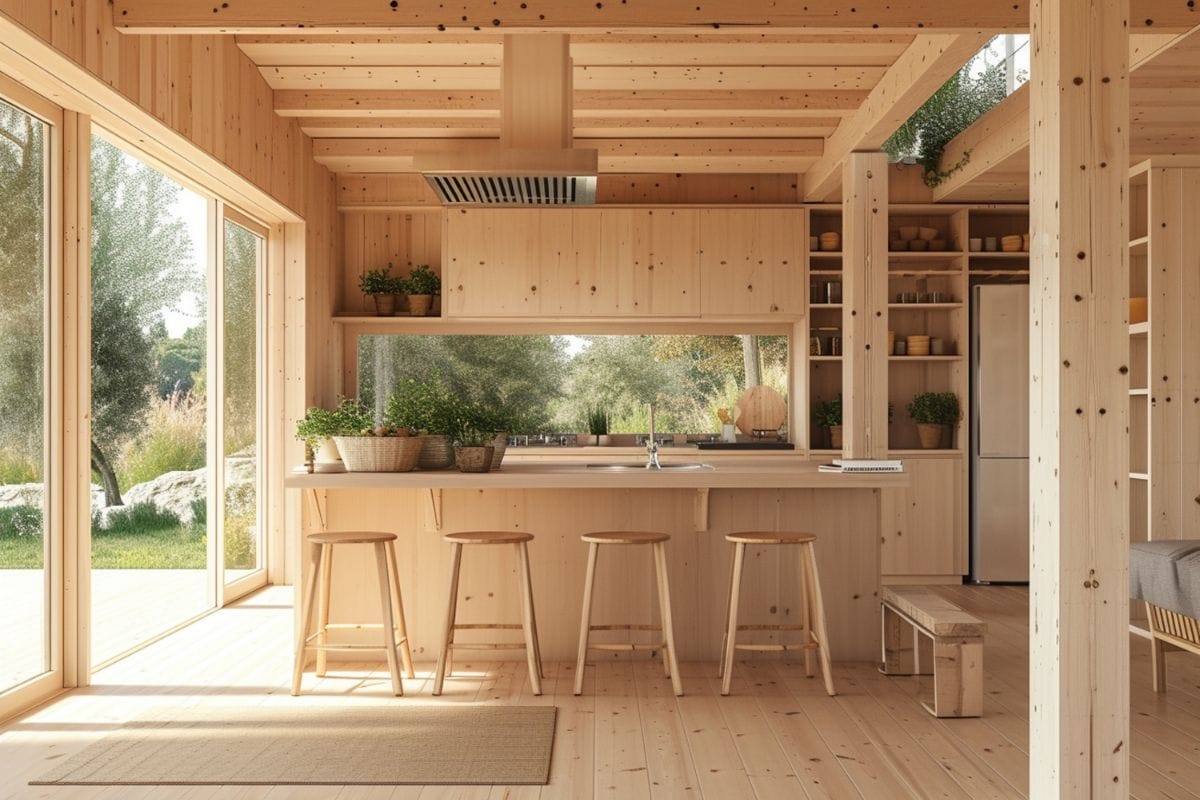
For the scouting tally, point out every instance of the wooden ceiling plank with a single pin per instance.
(384, 103)
(925, 65)
(569, 16)
(586, 78)
(596, 127)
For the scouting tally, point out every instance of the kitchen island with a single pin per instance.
(696, 506)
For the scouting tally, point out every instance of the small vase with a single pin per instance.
(385, 304)
(326, 457)
(474, 459)
(419, 304)
(835, 437)
(930, 435)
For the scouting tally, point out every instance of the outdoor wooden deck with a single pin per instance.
(778, 736)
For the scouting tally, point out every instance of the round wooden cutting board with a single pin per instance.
(760, 408)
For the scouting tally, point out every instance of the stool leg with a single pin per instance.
(401, 625)
(448, 633)
(585, 624)
(531, 648)
(806, 616)
(818, 607)
(537, 642)
(389, 624)
(664, 595)
(725, 625)
(323, 609)
(308, 601)
(731, 623)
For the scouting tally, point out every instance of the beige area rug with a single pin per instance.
(394, 744)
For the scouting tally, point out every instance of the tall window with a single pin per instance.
(151, 553)
(24, 545)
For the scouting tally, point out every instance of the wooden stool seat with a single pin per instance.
(533, 652)
(625, 537)
(317, 598)
(812, 607)
(351, 537)
(658, 542)
(769, 537)
(488, 537)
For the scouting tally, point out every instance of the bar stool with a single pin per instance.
(658, 541)
(395, 632)
(533, 651)
(812, 607)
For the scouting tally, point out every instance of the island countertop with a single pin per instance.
(742, 474)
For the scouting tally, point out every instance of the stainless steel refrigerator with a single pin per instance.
(1000, 434)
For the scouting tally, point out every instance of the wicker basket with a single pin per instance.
(379, 453)
(437, 453)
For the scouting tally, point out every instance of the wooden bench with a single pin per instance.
(957, 647)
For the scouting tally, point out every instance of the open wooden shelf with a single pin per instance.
(923, 255)
(1139, 246)
(832, 273)
(824, 358)
(936, 451)
(917, 359)
(923, 273)
(925, 306)
(1139, 329)
(998, 255)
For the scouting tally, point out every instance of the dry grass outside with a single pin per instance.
(172, 439)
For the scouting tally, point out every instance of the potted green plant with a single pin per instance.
(828, 414)
(934, 413)
(365, 447)
(382, 287)
(473, 450)
(423, 283)
(487, 418)
(429, 408)
(319, 427)
(597, 425)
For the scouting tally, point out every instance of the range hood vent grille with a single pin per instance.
(514, 190)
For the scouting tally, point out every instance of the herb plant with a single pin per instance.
(597, 421)
(828, 414)
(935, 408)
(423, 281)
(381, 281)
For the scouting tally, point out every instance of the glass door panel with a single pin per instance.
(241, 404)
(24, 255)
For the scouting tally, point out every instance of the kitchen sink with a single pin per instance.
(642, 467)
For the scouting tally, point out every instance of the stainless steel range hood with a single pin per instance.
(533, 163)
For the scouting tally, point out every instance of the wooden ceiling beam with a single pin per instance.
(616, 155)
(722, 50)
(571, 16)
(927, 63)
(600, 78)
(393, 103)
(994, 138)
(596, 127)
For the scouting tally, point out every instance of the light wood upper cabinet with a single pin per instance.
(623, 262)
(752, 262)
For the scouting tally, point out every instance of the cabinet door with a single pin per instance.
(673, 274)
(925, 524)
(492, 256)
(751, 262)
(623, 262)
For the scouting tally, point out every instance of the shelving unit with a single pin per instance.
(825, 322)
(1140, 400)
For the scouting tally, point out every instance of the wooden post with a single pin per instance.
(1079, 361)
(864, 305)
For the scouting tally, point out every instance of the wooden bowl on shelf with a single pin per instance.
(918, 345)
(928, 234)
(909, 232)
(897, 245)
(937, 245)
(830, 241)
(918, 244)
(1010, 244)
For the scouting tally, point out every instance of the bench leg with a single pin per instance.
(892, 647)
(957, 678)
(1158, 664)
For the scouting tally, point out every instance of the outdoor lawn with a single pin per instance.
(173, 547)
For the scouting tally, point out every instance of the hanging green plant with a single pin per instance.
(950, 111)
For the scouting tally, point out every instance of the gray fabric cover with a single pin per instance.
(1167, 574)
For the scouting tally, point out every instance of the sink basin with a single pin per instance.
(642, 467)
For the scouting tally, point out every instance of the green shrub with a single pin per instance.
(139, 518)
(200, 513)
(597, 421)
(349, 418)
(935, 408)
(20, 521)
(239, 542)
(172, 439)
(828, 414)
(427, 407)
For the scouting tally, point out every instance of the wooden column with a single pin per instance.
(864, 305)
(1079, 360)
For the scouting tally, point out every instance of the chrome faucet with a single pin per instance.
(652, 445)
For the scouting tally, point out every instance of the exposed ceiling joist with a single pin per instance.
(616, 155)
(569, 16)
(394, 103)
(588, 127)
(927, 63)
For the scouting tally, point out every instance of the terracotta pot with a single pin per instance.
(930, 435)
(419, 304)
(835, 437)
(436, 453)
(385, 304)
(500, 447)
(474, 459)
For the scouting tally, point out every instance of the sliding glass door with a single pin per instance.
(27, 549)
